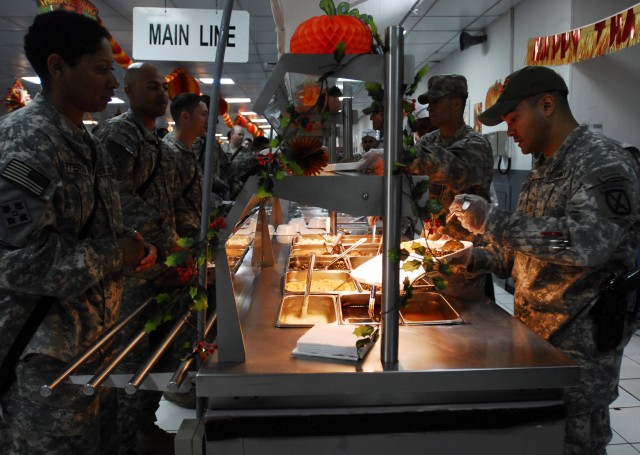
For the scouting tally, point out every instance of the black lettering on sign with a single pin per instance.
(173, 34)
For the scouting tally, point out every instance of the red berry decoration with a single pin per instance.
(322, 34)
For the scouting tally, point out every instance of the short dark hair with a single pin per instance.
(260, 141)
(70, 35)
(183, 102)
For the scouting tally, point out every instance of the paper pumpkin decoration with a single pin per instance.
(321, 34)
(307, 153)
(180, 81)
(16, 97)
(493, 94)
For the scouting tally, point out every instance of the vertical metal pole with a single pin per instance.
(393, 77)
(208, 160)
(347, 121)
(333, 153)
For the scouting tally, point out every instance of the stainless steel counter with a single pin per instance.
(490, 358)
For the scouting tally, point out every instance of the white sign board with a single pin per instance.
(188, 35)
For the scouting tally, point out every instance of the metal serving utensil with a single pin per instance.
(347, 261)
(307, 289)
(345, 252)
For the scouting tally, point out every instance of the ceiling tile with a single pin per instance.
(443, 23)
(461, 8)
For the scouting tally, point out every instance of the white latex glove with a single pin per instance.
(463, 260)
(472, 211)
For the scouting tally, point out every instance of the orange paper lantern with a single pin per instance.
(321, 34)
(180, 81)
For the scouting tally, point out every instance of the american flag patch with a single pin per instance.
(25, 176)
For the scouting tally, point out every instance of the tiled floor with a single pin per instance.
(625, 411)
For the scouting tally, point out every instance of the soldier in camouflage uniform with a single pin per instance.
(62, 241)
(242, 162)
(456, 158)
(575, 223)
(190, 115)
(147, 174)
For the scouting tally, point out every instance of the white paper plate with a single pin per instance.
(370, 272)
(342, 166)
(437, 244)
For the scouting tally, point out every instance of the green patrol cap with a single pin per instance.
(520, 84)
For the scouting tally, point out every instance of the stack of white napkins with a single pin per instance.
(332, 341)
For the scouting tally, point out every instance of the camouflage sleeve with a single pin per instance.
(463, 164)
(137, 213)
(597, 218)
(40, 258)
(492, 259)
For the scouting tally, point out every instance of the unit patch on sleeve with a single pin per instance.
(25, 176)
(15, 213)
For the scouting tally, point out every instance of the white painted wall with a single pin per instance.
(606, 90)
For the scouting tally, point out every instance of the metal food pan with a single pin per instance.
(322, 282)
(354, 309)
(299, 263)
(307, 250)
(364, 250)
(429, 308)
(320, 309)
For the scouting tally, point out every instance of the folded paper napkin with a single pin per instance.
(331, 341)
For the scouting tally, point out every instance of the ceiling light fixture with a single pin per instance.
(260, 120)
(116, 100)
(247, 113)
(238, 100)
(223, 80)
(32, 79)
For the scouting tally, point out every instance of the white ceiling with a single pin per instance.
(433, 28)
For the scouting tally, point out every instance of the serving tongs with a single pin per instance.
(347, 261)
(345, 252)
(307, 288)
(338, 241)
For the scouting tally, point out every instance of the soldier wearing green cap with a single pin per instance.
(576, 222)
(456, 158)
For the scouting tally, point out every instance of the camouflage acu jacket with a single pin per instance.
(463, 164)
(241, 165)
(576, 221)
(47, 194)
(135, 150)
(188, 205)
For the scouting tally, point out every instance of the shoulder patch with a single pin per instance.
(27, 177)
(123, 141)
(610, 186)
(14, 213)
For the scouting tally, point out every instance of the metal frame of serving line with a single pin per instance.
(389, 69)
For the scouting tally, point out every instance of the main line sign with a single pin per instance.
(188, 35)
